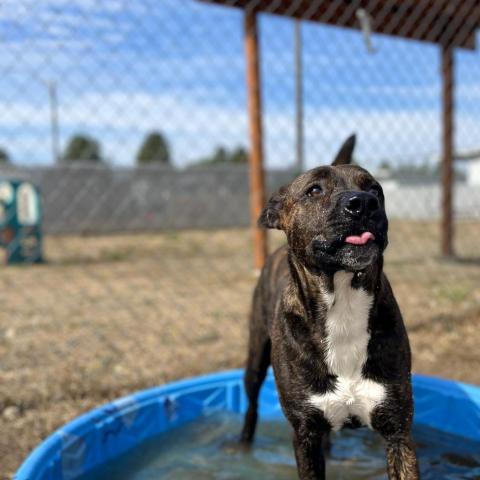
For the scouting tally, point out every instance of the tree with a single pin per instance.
(154, 149)
(82, 148)
(222, 156)
(239, 155)
(4, 157)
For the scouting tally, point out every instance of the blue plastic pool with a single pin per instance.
(109, 431)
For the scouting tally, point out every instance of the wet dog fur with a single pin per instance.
(326, 319)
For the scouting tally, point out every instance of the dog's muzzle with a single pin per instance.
(359, 204)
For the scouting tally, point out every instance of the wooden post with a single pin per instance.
(447, 150)
(257, 180)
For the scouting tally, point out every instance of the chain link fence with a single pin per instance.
(131, 118)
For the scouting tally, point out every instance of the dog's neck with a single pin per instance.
(310, 286)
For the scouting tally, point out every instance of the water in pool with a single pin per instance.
(205, 450)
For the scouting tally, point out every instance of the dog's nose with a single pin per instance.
(359, 204)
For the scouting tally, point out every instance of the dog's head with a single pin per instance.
(333, 216)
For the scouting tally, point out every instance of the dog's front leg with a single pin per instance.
(393, 421)
(401, 459)
(309, 454)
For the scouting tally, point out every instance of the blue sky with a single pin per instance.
(126, 68)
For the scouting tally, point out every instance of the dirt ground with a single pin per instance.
(112, 314)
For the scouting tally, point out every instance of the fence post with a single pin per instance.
(257, 180)
(447, 149)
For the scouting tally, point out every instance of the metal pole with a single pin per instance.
(257, 181)
(299, 96)
(52, 93)
(447, 154)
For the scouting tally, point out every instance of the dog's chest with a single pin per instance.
(346, 345)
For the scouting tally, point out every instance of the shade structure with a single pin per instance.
(437, 21)
(450, 24)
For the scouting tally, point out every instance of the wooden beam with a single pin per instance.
(447, 147)
(257, 180)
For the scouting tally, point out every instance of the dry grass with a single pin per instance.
(109, 315)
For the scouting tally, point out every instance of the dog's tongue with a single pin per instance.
(360, 239)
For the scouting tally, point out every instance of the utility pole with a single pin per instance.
(54, 129)
(299, 160)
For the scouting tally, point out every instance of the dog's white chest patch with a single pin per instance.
(346, 353)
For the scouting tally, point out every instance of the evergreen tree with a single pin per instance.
(4, 157)
(154, 149)
(82, 148)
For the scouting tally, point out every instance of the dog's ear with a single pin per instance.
(271, 214)
(345, 154)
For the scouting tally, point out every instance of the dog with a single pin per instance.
(325, 317)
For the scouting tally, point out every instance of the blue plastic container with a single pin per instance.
(109, 431)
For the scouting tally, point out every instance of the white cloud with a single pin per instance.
(194, 128)
(199, 113)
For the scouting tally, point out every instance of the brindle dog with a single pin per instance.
(324, 315)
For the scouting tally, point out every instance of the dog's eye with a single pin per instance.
(376, 190)
(314, 191)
